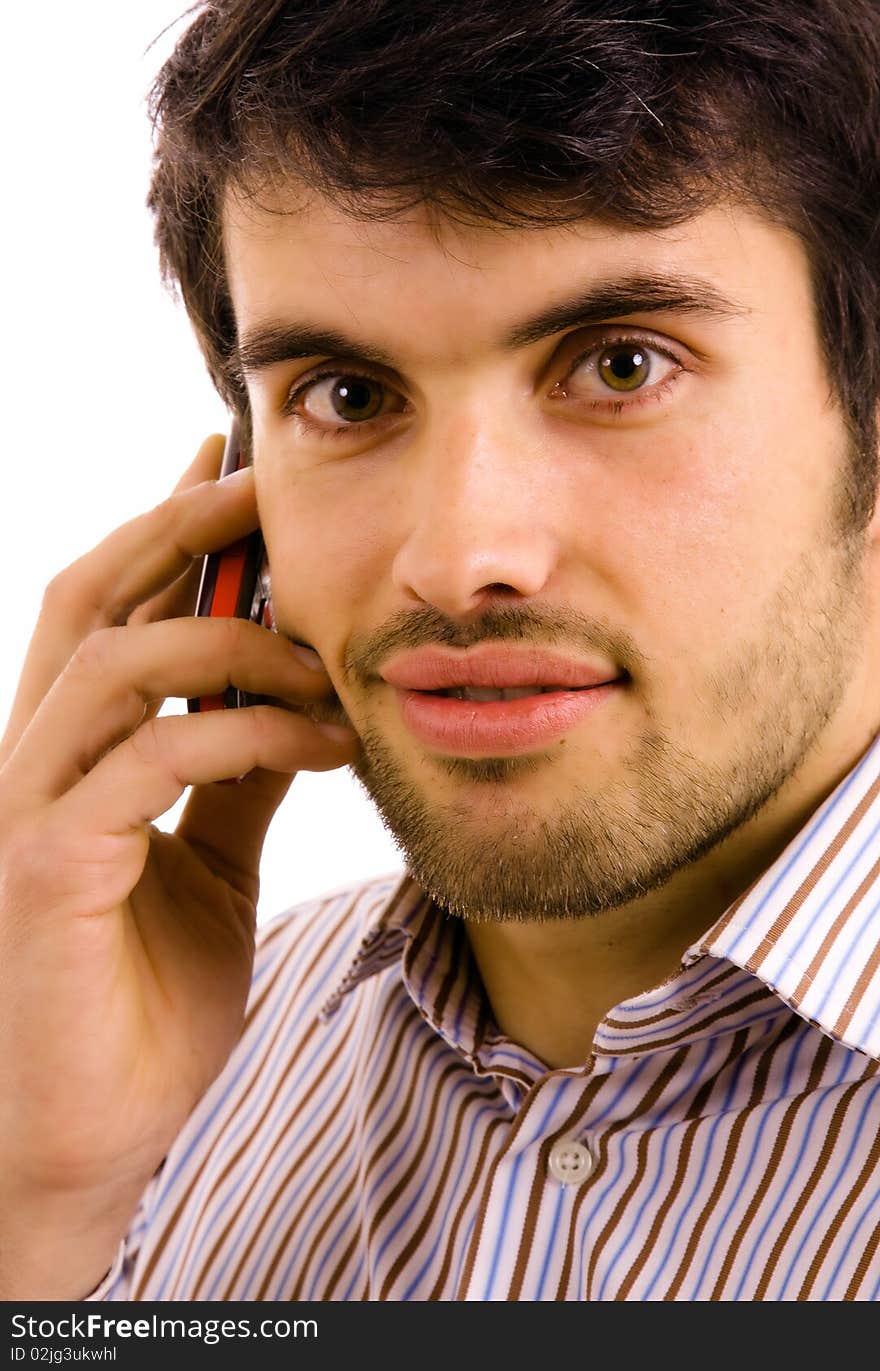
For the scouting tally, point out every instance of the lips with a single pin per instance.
(493, 667)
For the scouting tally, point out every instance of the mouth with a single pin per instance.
(481, 721)
(487, 693)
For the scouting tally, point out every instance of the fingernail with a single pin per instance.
(340, 733)
(309, 658)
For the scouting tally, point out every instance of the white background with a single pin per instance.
(106, 395)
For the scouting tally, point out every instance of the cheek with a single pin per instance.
(710, 524)
(326, 554)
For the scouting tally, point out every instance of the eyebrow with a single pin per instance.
(267, 344)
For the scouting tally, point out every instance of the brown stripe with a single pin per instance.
(389, 1137)
(839, 840)
(694, 1114)
(252, 1084)
(408, 1251)
(283, 964)
(373, 953)
(820, 1061)
(427, 927)
(269, 1207)
(855, 999)
(452, 1068)
(484, 1021)
(253, 1176)
(632, 1023)
(830, 938)
(539, 1183)
(342, 1199)
(344, 1145)
(861, 985)
(856, 1189)
(414, 1069)
(476, 1177)
(452, 976)
(394, 1195)
(692, 1031)
(727, 1164)
(476, 1236)
(803, 1199)
(409, 1019)
(647, 1101)
(339, 1268)
(863, 1265)
(642, 1158)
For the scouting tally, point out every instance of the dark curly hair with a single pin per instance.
(636, 112)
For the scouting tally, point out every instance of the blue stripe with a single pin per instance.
(661, 1269)
(831, 1188)
(556, 1096)
(684, 984)
(867, 1034)
(733, 989)
(822, 917)
(454, 1089)
(239, 1066)
(392, 1100)
(498, 1107)
(690, 1085)
(795, 1171)
(852, 1251)
(318, 1163)
(464, 1251)
(389, 1022)
(550, 1246)
(808, 836)
(284, 1108)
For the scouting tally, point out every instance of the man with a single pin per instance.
(552, 335)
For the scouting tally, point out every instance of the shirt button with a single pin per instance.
(569, 1162)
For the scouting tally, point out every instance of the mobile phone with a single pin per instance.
(235, 583)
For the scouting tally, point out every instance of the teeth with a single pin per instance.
(486, 693)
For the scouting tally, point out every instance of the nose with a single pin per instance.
(478, 517)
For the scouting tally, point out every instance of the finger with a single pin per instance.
(132, 564)
(180, 598)
(148, 772)
(227, 825)
(101, 696)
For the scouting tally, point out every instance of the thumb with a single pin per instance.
(227, 825)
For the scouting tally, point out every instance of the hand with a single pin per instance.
(126, 953)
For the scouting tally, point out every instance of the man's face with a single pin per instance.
(654, 495)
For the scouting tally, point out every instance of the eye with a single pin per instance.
(335, 401)
(615, 368)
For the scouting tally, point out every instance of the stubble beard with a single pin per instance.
(605, 845)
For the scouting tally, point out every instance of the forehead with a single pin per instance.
(297, 254)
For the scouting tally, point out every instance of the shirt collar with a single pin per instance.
(808, 928)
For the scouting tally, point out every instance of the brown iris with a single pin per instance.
(623, 366)
(356, 397)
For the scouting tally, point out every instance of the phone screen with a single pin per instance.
(235, 583)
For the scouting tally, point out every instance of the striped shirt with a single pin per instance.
(374, 1136)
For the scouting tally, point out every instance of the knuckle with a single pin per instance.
(167, 512)
(149, 742)
(76, 595)
(239, 643)
(63, 591)
(94, 653)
